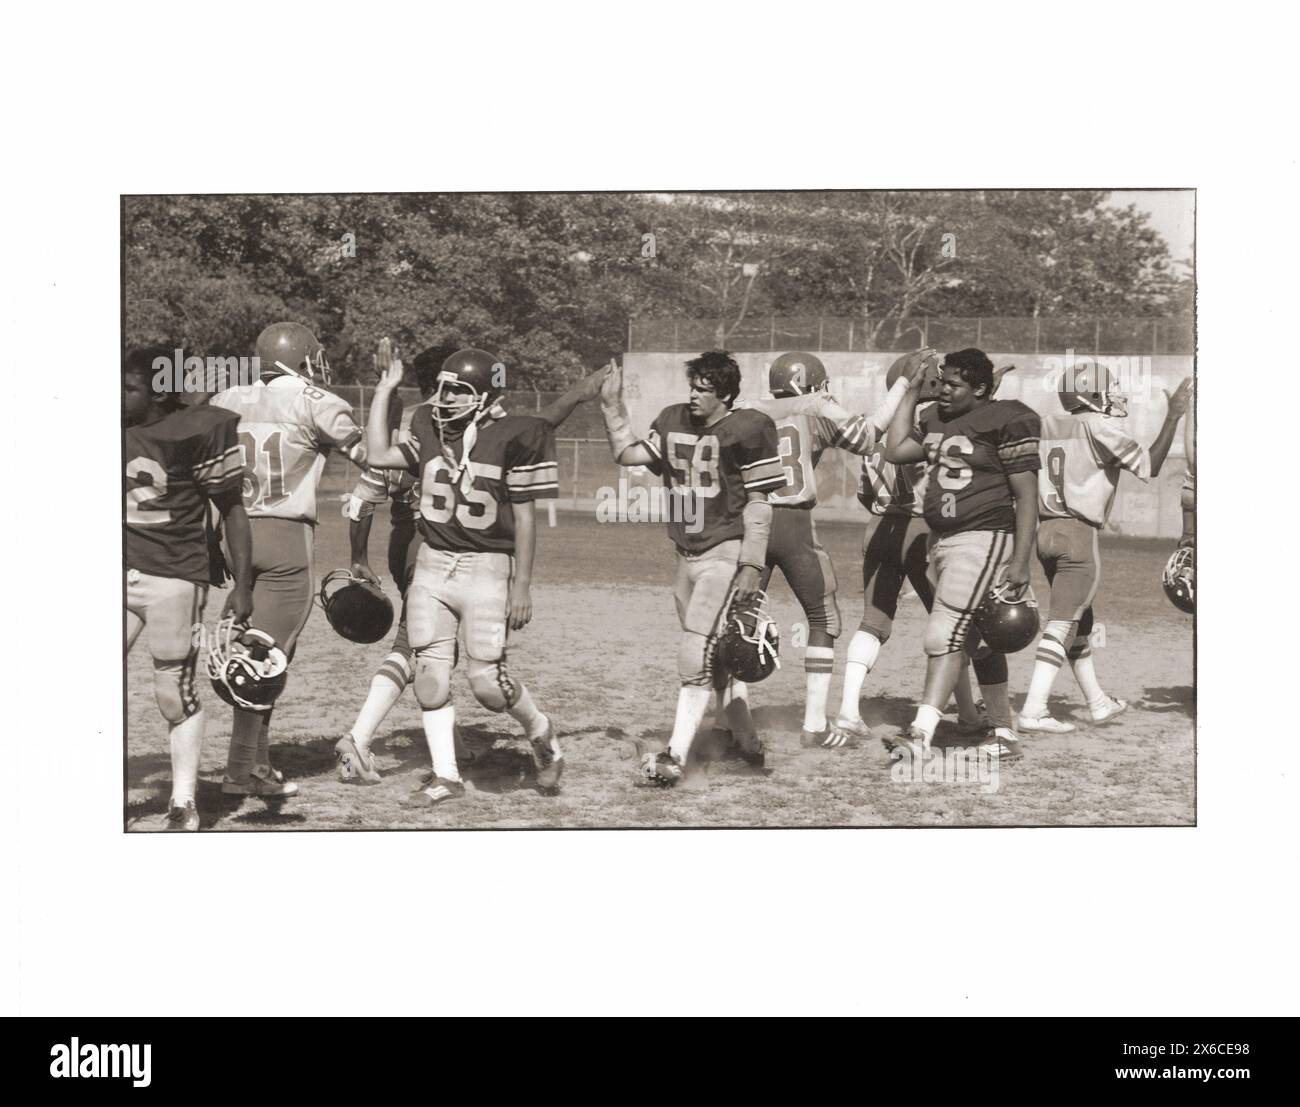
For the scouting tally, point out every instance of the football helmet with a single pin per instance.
(1004, 624)
(294, 349)
(796, 375)
(1091, 386)
(749, 642)
(466, 387)
(1179, 579)
(929, 370)
(357, 609)
(246, 667)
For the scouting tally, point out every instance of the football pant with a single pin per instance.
(963, 567)
(793, 548)
(169, 610)
(893, 550)
(701, 591)
(1071, 560)
(282, 579)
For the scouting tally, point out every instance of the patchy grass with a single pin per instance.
(599, 658)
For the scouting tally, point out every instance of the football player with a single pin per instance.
(480, 473)
(375, 486)
(981, 504)
(179, 460)
(894, 552)
(809, 421)
(288, 423)
(1083, 452)
(718, 464)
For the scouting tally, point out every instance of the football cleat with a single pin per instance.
(1179, 579)
(1108, 710)
(264, 782)
(1007, 625)
(292, 348)
(796, 375)
(749, 642)
(658, 767)
(357, 609)
(1043, 724)
(1004, 745)
(833, 737)
(182, 819)
(355, 767)
(438, 790)
(246, 667)
(549, 760)
(912, 742)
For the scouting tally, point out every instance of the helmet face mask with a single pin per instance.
(246, 667)
(467, 386)
(749, 642)
(1105, 399)
(1179, 579)
(455, 400)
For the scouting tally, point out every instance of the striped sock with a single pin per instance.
(1047, 663)
(386, 688)
(819, 666)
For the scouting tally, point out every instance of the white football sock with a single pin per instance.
(440, 734)
(1086, 675)
(927, 718)
(692, 703)
(186, 742)
(864, 649)
(380, 700)
(525, 713)
(1049, 659)
(819, 664)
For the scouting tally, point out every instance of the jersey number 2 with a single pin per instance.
(141, 494)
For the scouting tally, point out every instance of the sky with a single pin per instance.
(1172, 214)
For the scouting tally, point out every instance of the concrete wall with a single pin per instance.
(655, 380)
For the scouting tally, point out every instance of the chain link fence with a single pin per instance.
(1045, 334)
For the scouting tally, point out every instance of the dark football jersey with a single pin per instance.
(708, 471)
(511, 461)
(173, 467)
(970, 458)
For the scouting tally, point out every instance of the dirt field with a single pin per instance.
(599, 658)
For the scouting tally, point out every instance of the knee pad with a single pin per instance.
(175, 691)
(991, 668)
(945, 631)
(694, 665)
(491, 684)
(432, 680)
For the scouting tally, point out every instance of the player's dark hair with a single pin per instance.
(973, 366)
(140, 362)
(427, 364)
(719, 369)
